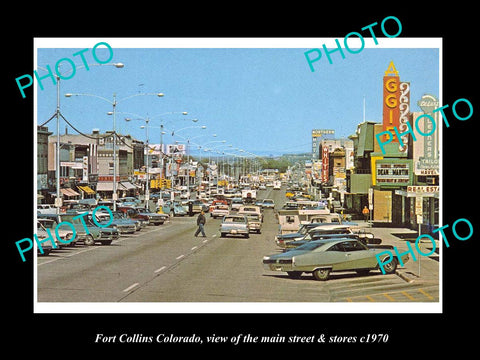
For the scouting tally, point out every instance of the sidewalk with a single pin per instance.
(425, 268)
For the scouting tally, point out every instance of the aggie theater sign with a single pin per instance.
(396, 104)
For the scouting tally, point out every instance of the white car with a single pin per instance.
(46, 209)
(219, 211)
(268, 204)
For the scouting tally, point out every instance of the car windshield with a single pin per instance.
(117, 215)
(235, 219)
(45, 224)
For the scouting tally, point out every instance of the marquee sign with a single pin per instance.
(395, 172)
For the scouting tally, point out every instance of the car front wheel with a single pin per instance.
(391, 267)
(321, 274)
(89, 241)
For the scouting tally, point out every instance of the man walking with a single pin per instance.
(200, 222)
(365, 213)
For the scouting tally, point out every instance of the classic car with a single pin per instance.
(199, 205)
(317, 235)
(251, 209)
(321, 257)
(120, 222)
(153, 218)
(217, 202)
(234, 225)
(134, 214)
(254, 223)
(179, 209)
(46, 247)
(236, 204)
(304, 228)
(220, 210)
(89, 232)
(268, 204)
(65, 232)
(46, 209)
(325, 228)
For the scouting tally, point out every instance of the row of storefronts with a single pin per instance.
(398, 182)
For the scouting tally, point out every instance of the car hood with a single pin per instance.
(289, 236)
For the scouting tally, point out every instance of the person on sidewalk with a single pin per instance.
(365, 213)
(200, 222)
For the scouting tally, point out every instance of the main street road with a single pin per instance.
(167, 263)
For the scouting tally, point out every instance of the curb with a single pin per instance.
(403, 276)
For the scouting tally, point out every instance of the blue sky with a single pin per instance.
(263, 100)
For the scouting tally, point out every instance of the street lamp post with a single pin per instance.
(203, 127)
(58, 201)
(113, 112)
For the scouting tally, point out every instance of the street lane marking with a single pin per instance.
(130, 287)
(193, 248)
(179, 257)
(160, 269)
(204, 241)
(370, 298)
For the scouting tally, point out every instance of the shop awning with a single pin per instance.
(69, 192)
(108, 186)
(86, 189)
(127, 185)
(105, 186)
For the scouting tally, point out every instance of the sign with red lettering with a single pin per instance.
(325, 160)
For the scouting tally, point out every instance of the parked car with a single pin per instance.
(254, 223)
(50, 221)
(134, 214)
(220, 210)
(315, 233)
(120, 222)
(153, 218)
(321, 257)
(46, 209)
(281, 239)
(46, 247)
(234, 225)
(129, 201)
(312, 236)
(89, 232)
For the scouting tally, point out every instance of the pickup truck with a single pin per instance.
(251, 209)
